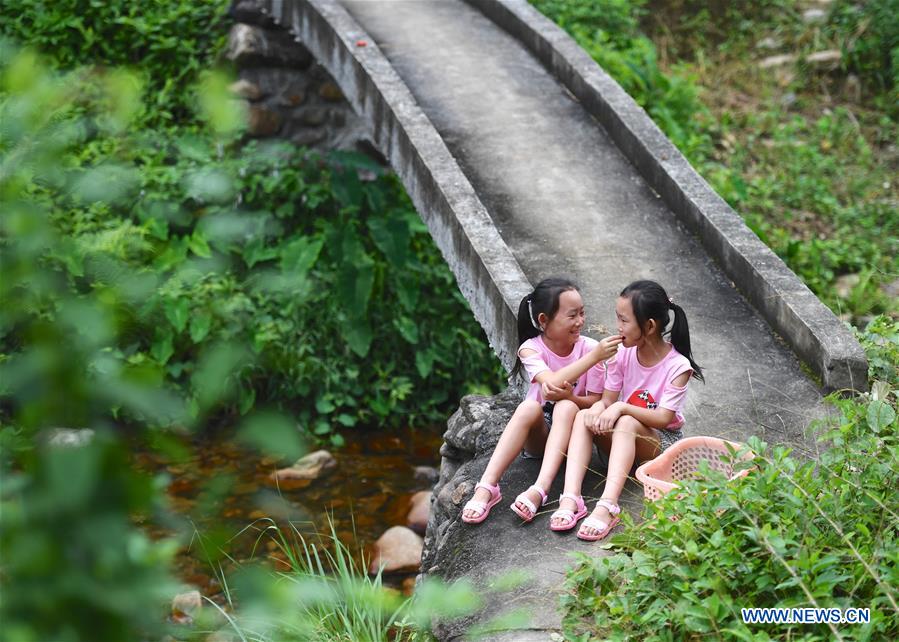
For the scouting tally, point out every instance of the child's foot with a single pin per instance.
(601, 521)
(527, 503)
(486, 496)
(571, 510)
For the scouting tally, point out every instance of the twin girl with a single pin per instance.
(624, 393)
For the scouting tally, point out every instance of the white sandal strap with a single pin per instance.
(592, 522)
(613, 509)
(522, 499)
(562, 513)
(475, 505)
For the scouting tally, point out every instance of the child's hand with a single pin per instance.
(556, 393)
(608, 418)
(591, 417)
(608, 347)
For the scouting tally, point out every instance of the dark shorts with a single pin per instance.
(548, 413)
(548, 408)
(668, 438)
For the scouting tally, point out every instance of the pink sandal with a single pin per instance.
(603, 528)
(523, 498)
(483, 507)
(570, 516)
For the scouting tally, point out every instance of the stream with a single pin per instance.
(223, 493)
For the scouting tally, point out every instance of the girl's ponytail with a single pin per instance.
(544, 299)
(680, 338)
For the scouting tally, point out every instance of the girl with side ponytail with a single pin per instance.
(566, 373)
(640, 413)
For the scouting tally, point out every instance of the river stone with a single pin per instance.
(827, 59)
(185, 606)
(312, 466)
(250, 45)
(420, 509)
(263, 122)
(245, 89)
(398, 549)
(69, 437)
(426, 475)
(776, 61)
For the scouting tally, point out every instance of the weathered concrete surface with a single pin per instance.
(810, 328)
(538, 169)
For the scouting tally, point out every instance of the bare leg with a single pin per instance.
(580, 448)
(631, 441)
(553, 451)
(528, 418)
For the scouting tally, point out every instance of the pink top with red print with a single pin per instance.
(593, 380)
(650, 387)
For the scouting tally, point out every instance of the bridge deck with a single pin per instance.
(567, 202)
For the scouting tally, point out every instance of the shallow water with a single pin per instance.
(367, 493)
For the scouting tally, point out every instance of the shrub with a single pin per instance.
(793, 533)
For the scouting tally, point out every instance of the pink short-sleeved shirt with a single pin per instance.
(591, 381)
(650, 387)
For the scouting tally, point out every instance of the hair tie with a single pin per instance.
(531, 316)
(670, 303)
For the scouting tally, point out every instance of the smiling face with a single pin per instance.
(628, 327)
(565, 326)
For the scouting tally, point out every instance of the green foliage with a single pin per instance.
(868, 35)
(796, 533)
(251, 269)
(793, 533)
(74, 567)
(327, 594)
(815, 184)
(170, 42)
(609, 32)
(880, 339)
(170, 279)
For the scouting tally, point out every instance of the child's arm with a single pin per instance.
(604, 350)
(558, 393)
(656, 418)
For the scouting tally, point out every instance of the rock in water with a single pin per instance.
(185, 606)
(426, 475)
(420, 510)
(398, 549)
(312, 466)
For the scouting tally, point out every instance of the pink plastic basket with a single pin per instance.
(681, 461)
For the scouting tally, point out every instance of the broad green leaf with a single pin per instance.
(199, 325)
(391, 235)
(358, 335)
(198, 245)
(347, 188)
(354, 283)
(324, 405)
(424, 361)
(177, 312)
(299, 255)
(162, 348)
(407, 329)
(880, 415)
(256, 251)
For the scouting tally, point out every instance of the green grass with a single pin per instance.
(807, 155)
(323, 592)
